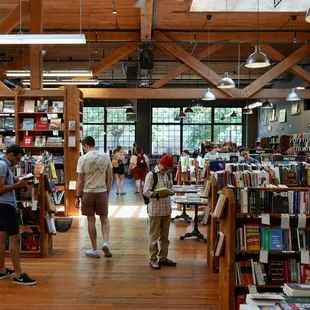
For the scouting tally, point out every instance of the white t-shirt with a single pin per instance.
(94, 165)
(134, 159)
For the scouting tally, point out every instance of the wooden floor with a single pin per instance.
(69, 280)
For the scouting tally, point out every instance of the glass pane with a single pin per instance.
(166, 139)
(97, 132)
(223, 115)
(164, 115)
(93, 115)
(123, 135)
(117, 116)
(228, 133)
(193, 135)
(200, 116)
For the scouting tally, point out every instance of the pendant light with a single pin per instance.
(257, 59)
(233, 114)
(189, 110)
(177, 119)
(307, 18)
(128, 105)
(293, 96)
(182, 115)
(226, 82)
(267, 105)
(208, 96)
(246, 110)
(223, 118)
(130, 111)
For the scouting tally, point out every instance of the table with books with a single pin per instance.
(196, 201)
(185, 189)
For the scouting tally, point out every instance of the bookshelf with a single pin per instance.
(52, 120)
(230, 222)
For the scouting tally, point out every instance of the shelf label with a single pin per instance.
(265, 218)
(55, 132)
(252, 289)
(304, 257)
(302, 220)
(285, 221)
(34, 205)
(263, 256)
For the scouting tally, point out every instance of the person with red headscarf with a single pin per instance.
(159, 211)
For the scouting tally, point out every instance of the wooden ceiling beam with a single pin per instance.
(276, 71)
(111, 59)
(180, 93)
(192, 63)
(36, 57)
(295, 69)
(12, 20)
(146, 20)
(182, 68)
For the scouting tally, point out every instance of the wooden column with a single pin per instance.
(36, 59)
(73, 103)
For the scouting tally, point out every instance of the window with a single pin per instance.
(116, 130)
(164, 115)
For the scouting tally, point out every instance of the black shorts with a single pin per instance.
(8, 220)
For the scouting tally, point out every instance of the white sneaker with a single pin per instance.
(92, 253)
(106, 250)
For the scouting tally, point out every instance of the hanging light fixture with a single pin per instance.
(247, 110)
(208, 96)
(223, 118)
(307, 18)
(128, 105)
(293, 96)
(267, 105)
(177, 119)
(189, 110)
(233, 114)
(130, 111)
(182, 115)
(226, 82)
(257, 59)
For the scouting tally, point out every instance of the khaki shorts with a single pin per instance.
(95, 203)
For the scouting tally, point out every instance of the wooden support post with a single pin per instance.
(227, 261)
(36, 59)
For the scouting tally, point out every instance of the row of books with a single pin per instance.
(253, 200)
(255, 238)
(31, 106)
(7, 123)
(41, 141)
(293, 174)
(275, 273)
(28, 242)
(42, 123)
(7, 106)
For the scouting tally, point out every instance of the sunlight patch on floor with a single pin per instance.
(127, 211)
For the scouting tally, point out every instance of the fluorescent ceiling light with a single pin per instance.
(22, 73)
(42, 39)
(255, 105)
(66, 82)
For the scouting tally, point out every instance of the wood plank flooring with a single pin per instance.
(67, 279)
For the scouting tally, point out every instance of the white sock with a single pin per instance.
(105, 244)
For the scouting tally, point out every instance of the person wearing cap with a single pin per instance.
(159, 211)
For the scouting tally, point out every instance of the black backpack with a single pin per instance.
(155, 177)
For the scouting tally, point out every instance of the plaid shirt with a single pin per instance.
(162, 206)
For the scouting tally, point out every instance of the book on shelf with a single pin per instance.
(219, 244)
(9, 123)
(1, 106)
(9, 140)
(50, 224)
(264, 299)
(28, 123)
(251, 237)
(296, 289)
(54, 141)
(207, 189)
(29, 106)
(9, 106)
(220, 206)
(42, 123)
(206, 216)
(294, 306)
(42, 106)
(55, 124)
(50, 203)
(28, 140)
(2, 122)
(40, 141)
(57, 106)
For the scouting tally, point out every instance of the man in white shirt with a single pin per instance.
(93, 188)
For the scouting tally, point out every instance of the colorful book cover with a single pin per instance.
(28, 140)
(42, 123)
(55, 124)
(40, 141)
(29, 106)
(42, 106)
(275, 239)
(252, 237)
(9, 123)
(28, 124)
(57, 106)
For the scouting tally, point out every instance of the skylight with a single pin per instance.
(248, 6)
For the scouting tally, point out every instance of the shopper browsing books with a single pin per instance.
(212, 154)
(8, 216)
(93, 188)
(247, 159)
(159, 211)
